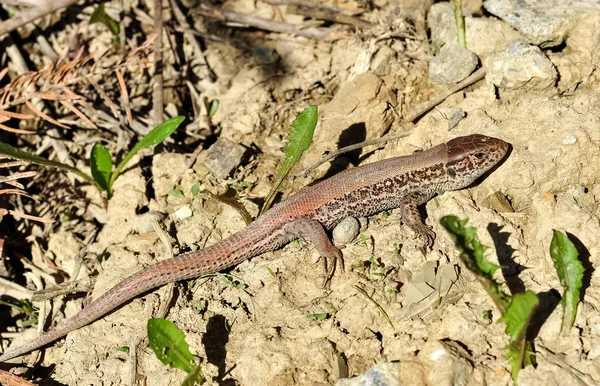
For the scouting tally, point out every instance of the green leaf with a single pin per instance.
(100, 16)
(156, 135)
(570, 273)
(101, 165)
(471, 254)
(175, 193)
(168, 343)
(213, 107)
(195, 189)
(301, 134)
(13, 152)
(197, 377)
(517, 317)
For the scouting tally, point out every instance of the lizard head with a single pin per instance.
(471, 156)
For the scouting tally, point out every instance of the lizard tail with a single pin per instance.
(182, 267)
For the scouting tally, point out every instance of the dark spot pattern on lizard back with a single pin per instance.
(386, 194)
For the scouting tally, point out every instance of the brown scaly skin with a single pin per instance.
(400, 182)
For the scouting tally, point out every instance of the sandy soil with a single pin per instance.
(260, 335)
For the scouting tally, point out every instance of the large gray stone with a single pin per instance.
(521, 66)
(485, 36)
(452, 64)
(543, 22)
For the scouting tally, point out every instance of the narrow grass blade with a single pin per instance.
(156, 135)
(21, 155)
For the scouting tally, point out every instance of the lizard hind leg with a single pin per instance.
(412, 218)
(312, 230)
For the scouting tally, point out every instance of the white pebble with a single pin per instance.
(183, 212)
(569, 140)
(346, 230)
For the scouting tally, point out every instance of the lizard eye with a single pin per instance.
(479, 155)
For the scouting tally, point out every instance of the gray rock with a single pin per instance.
(521, 66)
(346, 230)
(543, 22)
(447, 363)
(383, 374)
(484, 36)
(224, 156)
(451, 65)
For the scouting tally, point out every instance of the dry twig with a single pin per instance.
(157, 87)
(41, 9)
(271, 25)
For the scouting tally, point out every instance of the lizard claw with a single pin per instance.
(426, 233)
(330, 260)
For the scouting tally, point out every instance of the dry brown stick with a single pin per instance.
(157, 87)
(271, 25)
(41, 9)
(198, 53)
(474, 77)
(323, 13)
(371, 142)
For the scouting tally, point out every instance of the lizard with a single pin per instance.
(403, 182)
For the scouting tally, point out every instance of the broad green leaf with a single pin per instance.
(21, 155)
(156, 135)
(301, 134)
(471, 254)
(100, 16)
(517, 317)
(570, 273)
(168, 343)
(101, 165)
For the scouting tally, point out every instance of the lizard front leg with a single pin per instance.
(412, 218)
(312, 230)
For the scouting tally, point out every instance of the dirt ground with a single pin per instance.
(261, 334)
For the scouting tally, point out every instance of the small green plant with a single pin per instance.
(301, 134)
(100, 16)
(27, 311)
(168, 343)
(103, 176)
(570, 273)
(330, 310)
(516, 310)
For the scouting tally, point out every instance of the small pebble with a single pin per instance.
(183, 212)
(455, 118)
(569, 140)
(346, 230)
(224, 156)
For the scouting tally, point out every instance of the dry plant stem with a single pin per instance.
(346, 149)
(271, 25)
(42, 315)
(325, 13)
(42, 8)
(14, 290)
(157, 87)
(69, 287)
(198, 53)
(474, 77)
